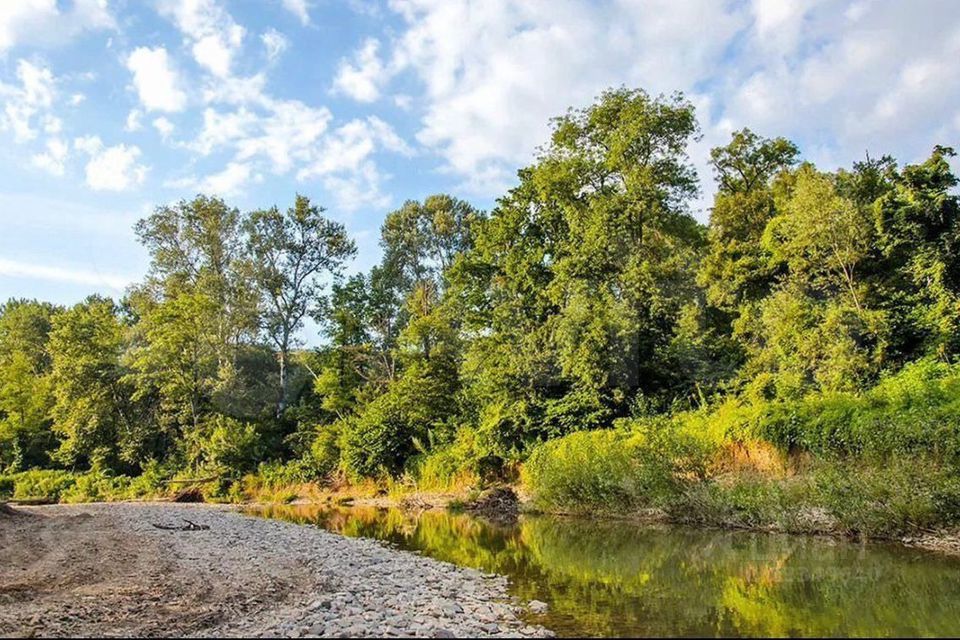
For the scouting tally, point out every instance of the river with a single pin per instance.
(611, 578)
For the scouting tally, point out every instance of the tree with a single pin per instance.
(736, 268)
(421, 240)
(576, 280)
(291, 253)
(918, 223)
(91, 409)
(197, 247)
(25, 430)
(821, 237)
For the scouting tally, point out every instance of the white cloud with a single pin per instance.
(282, 132)
(133, 120)
(234, 90)
(274, 43)
(164, 126)
(299, 8)
(155, 80)
(221, 130)
(230, 181)
(344, 162)
(77, 98)
(71, 274)
(111, 168)
(227, 182)
(361, 79)
(494, 73)
(53, 159)
(836, 77)
(215, 36)
(43, 22)
(26, 108)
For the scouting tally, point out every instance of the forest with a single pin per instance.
(792, 363)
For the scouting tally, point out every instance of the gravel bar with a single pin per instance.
(244, 576)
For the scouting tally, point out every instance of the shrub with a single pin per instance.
(96, 487)
(748, 501)
(902, 496)
(41, 486)
(610, 470)
(324, 456)
(7, 484)
(230, 446)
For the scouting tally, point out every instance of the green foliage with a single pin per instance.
(908, 494)
(611, 470)
(25, 392)
(914, 412)
(589, 326)
(324, 456)
(38, 485)
(227, 445)
(381, 438)
(7, 485)
(91, 410)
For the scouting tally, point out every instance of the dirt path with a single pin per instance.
(104, 570)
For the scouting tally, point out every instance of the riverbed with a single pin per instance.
(106, 570)
(611, 578)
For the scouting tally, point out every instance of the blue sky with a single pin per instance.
(108, 109)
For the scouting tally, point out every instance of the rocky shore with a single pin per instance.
(107, 570)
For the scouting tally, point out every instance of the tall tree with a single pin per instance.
(196, 312)
(25, 429)
(91, 407)
(197, 247)
(736, 268)
(577, 279)
(291, 255)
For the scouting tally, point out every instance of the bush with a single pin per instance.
(41, 486)
(610, 470)
(7, 484)
(229, 446)
(915, 412)
(324, 456)
(903, 496)
(747, 501)
(97, 487)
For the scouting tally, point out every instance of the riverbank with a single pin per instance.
(106, 570)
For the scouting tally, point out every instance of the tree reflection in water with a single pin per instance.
(623, 579)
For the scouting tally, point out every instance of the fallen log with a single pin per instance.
(192, 480)
(190, 526)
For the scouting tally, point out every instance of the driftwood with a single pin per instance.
(192, 480)
(190, 526)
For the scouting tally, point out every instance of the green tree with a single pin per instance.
(291, 253)
(26, 437)
(92, 410)
(736, 268)
(577, 279)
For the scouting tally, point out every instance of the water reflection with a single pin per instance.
(620, 579)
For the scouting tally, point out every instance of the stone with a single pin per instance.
(538, 607)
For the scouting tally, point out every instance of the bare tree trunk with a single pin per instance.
(282, 400)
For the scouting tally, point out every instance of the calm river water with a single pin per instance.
(604, 578)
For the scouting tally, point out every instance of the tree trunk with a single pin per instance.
(282, 400)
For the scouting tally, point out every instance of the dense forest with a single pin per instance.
(588, 336)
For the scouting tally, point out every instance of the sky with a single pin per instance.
(109, 108)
